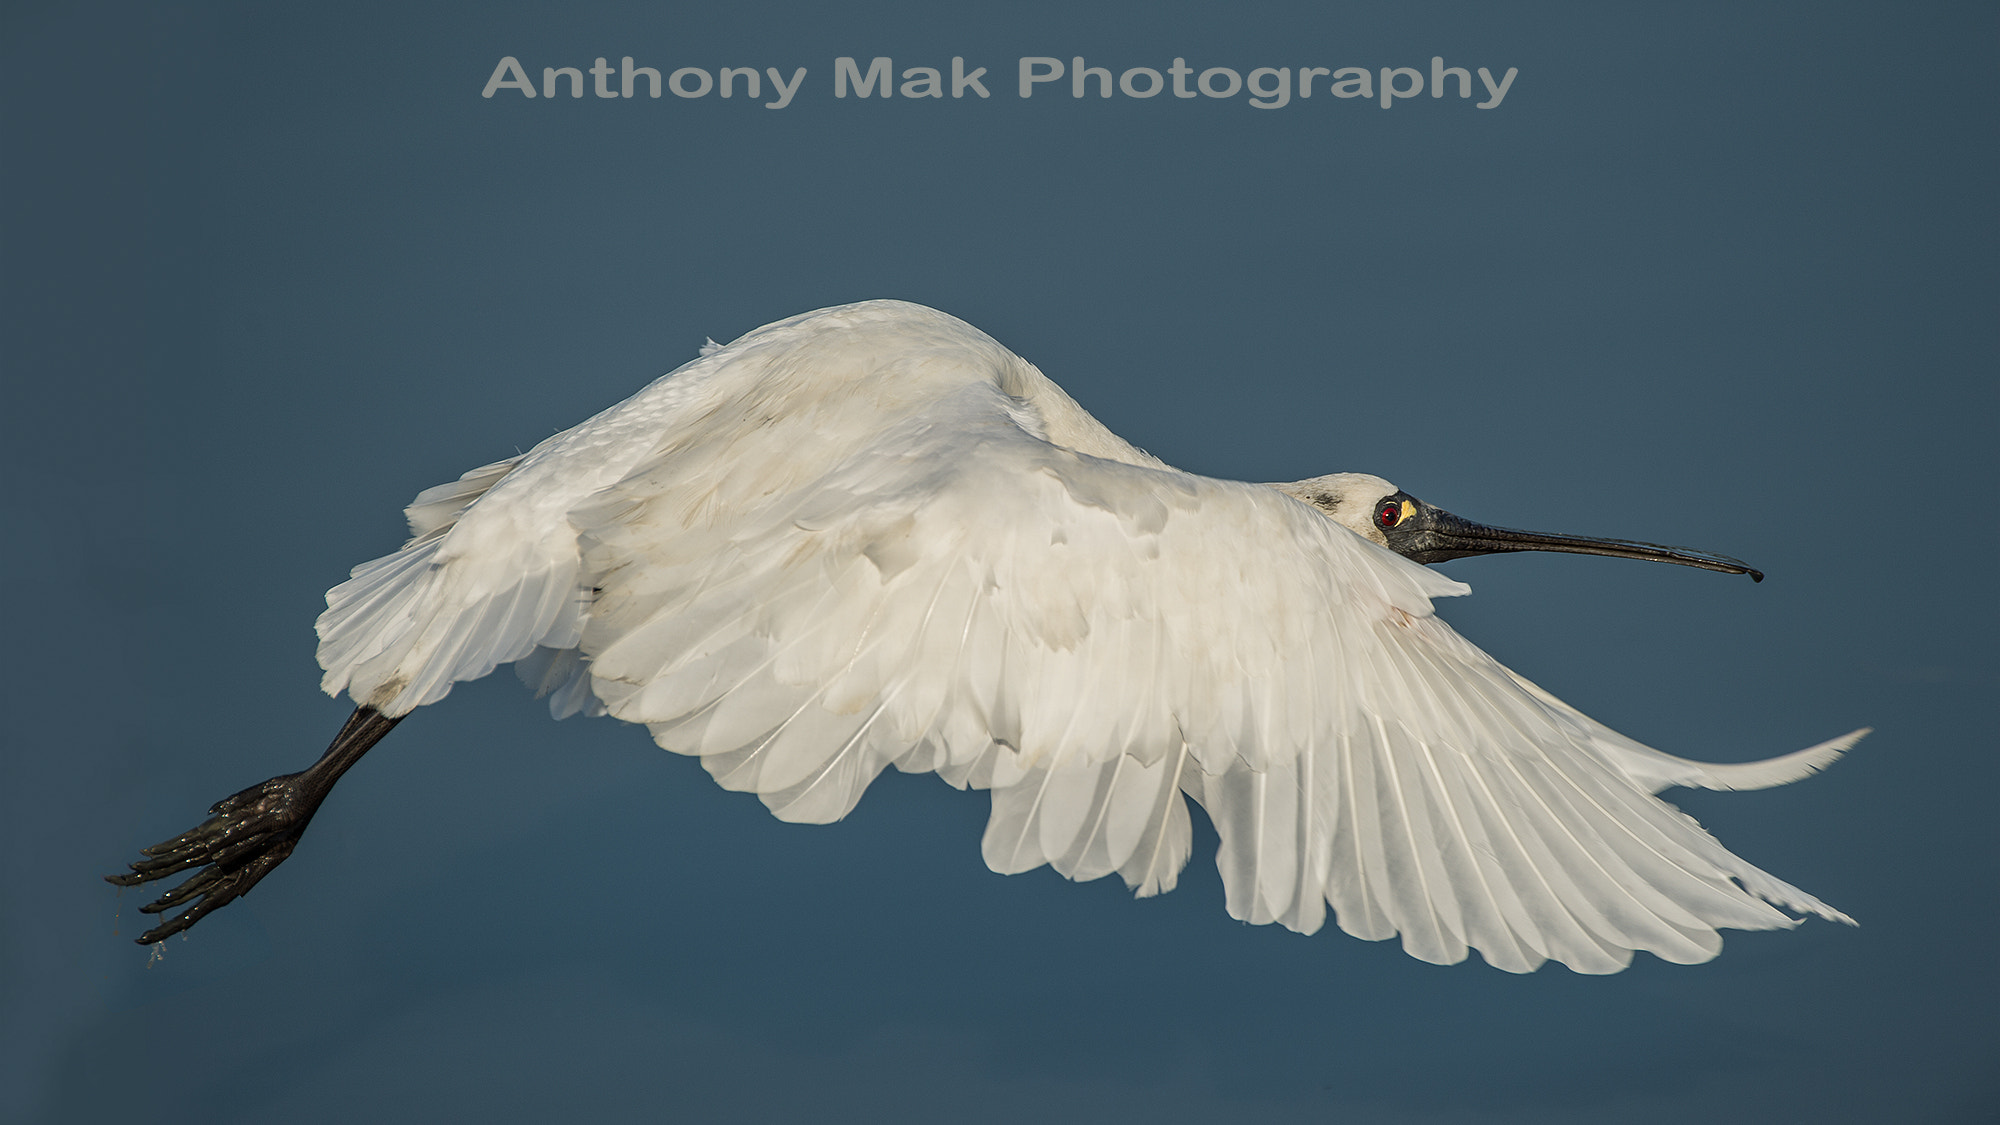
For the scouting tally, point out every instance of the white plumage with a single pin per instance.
(872, 536)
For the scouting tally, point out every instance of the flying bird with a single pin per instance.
(871, 535)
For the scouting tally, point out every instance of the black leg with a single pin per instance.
(249, 834)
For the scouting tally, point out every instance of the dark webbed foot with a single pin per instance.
(247, 835)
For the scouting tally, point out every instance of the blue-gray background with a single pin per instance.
(1725, 276)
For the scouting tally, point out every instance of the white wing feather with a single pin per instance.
(871, 536)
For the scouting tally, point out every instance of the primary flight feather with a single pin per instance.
(871, 536)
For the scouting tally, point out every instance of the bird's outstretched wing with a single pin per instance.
(1090, 639)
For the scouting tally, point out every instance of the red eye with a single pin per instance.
(1389, 514)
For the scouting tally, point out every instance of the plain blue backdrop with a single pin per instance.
(1722, 275)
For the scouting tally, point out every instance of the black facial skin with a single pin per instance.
(1429, 534)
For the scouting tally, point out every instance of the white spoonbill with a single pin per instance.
(871, 536)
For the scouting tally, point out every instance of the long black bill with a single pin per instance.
(1429, 534)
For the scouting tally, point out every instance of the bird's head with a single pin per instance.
(1382, 513)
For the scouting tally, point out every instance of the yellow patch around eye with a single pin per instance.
(1409, 510)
